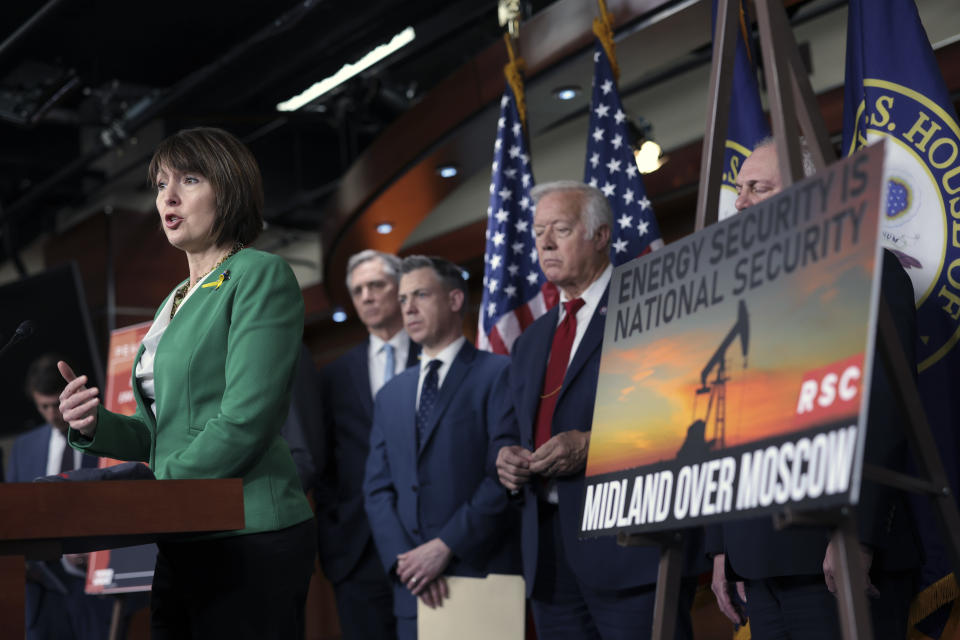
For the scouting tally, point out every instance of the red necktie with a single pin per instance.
(556, 370)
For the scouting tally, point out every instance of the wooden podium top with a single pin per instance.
(45, 519)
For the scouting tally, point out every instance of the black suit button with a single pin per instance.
(414, 488)
(415, 532)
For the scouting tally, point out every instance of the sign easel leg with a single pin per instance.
(668, 592)
(851, 588)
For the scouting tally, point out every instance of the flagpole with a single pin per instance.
(603, 29)
(611, 164)
(515, 292)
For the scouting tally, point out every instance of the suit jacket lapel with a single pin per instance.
(361, 377)
(540, 344)
(413, 354)
(35, 463)
(403, 430)
(451, 383)
(138, 395)
(592, 340)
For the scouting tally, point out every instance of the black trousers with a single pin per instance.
(801, 607)
(365, 601)
(566, 609)
(249, 586)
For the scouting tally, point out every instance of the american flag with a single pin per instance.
(512, 280)
(611, 168)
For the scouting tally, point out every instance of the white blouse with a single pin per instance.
(144, 369)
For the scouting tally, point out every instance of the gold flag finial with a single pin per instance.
(513, 71)
(508, 12)
(603, 29)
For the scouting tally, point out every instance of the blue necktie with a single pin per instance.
(391, 364)
(428, 398)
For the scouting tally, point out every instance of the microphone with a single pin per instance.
(24, 331)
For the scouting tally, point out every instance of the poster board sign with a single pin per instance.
(736, 363)
(129, 568)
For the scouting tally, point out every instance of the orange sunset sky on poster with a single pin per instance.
(646, 396)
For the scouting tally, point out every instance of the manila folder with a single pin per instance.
(477, 609)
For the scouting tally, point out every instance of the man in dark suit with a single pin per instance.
(347, 554)
(578, 588)
(786, 577)
(303, 428)
(434, 509)
(56, 605)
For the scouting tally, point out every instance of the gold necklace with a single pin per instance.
(182, 291)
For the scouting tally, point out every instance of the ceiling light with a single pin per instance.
(465, 274)
(339, 315)
(448, 171)
(649, 157)
(646, 152)
(566, 93)
(384, 228)
(347, 71)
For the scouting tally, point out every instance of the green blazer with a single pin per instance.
(222, 376)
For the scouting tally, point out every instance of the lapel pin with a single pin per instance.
(219, 281)
(603, 311)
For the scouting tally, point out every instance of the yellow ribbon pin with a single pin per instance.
(219, 281)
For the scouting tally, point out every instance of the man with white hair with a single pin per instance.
(579, 589)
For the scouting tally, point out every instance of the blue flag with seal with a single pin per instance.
(895, 91)
(748, 124)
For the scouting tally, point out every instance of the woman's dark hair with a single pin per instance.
(232, 171)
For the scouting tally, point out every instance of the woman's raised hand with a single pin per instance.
(78, 404)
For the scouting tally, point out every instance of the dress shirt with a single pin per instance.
(446, 358)
(377, 357)
(144, 370)
(55, 452)
(591, 298)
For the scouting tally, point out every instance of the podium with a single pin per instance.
(44, 520)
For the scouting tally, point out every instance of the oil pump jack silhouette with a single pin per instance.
(696, 443)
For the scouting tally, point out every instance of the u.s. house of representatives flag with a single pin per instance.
(610, 167)
(512, 280)
(748, 124)
(894, 91)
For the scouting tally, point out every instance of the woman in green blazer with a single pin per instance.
(212, 382)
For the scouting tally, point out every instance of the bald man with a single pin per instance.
(786, 578)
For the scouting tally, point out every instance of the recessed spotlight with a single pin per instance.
(566, 93)
(339, 315)
(465, 274)
(384, 228)
(448, 171)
